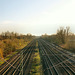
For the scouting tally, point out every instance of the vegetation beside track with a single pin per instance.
(11, 43)
(8, 57)
(36, 68)
(64, 38)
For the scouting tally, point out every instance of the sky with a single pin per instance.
(36, 16)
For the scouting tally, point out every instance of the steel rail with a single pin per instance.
(46, 62)
(13, 62)
(50, 61)
(57, 57)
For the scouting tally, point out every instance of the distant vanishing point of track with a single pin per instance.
(54, 59)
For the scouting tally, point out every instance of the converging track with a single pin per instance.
(55, 60)
(18, 64)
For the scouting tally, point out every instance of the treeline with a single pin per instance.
(11, 35)
(64, 37)
(11, 41)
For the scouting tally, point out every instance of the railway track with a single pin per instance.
(55, 60)
(17, 65)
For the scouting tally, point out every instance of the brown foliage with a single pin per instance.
(10, 41)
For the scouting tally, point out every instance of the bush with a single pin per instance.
(9, 48)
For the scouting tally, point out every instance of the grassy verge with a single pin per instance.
(36, 68)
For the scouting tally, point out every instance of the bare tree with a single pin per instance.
(63, 33)
(67, 31)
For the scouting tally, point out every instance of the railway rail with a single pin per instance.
(55, 60)
(17, 65)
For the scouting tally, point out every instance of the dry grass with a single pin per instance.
(70, 44)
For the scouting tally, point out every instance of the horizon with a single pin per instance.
(37, 16)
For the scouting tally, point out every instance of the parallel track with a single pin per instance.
(55, 60)
(17, 65)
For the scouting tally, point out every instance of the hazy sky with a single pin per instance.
(36, 16)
